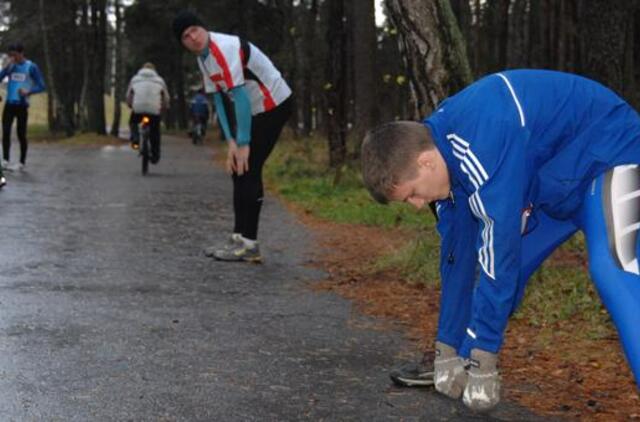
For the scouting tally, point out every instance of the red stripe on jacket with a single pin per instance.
(226, 73)
(268, 102)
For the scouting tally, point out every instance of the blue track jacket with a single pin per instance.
(24, 75)
(513, 141)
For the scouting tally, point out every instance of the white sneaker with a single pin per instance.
(17, 167)
(3, 182)
(5, 165)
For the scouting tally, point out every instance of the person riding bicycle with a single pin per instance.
(147, 95)
(199, 109)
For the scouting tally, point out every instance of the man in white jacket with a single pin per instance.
(147, 95)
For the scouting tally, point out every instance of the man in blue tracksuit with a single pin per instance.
(515, 164)
(25, 79)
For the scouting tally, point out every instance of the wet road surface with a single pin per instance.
(109, 310)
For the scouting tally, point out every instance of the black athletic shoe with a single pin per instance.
(415, 374)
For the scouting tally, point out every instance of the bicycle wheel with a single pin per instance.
(145, 154)
(197, 134)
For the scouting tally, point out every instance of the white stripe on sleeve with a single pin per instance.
(470, 163)
(515, 98)
(466, 171)
(486, 253)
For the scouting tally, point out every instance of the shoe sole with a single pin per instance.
(425, 380)
(253, 260)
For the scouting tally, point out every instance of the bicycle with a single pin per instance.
(196, 134)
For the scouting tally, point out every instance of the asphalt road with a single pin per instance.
(110, 312)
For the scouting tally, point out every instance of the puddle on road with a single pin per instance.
(117, 148)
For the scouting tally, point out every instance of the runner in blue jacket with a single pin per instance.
(25, 79)
(515, 164)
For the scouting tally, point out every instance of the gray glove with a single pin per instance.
(449, 373)
(482, 392)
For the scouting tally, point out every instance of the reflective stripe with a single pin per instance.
(471, 334)
(515, 98)
(622, 204)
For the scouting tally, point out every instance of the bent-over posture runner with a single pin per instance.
(515, 164)
(262, 104)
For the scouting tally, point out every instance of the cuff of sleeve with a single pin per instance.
(449, 340)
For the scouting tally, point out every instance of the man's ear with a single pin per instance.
(425, 159)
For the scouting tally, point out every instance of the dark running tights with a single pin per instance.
(247, 189)
(21, 114)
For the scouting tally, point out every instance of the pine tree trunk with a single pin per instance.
(462, 11)
(535, 34)
(629, 83)
(290, 36)
(434, 49)
(364, 46)
(478, 68)
(561, 36)
(335, 90)
(83, 100)
(55, 110)
(118, 92)
(308, 60)
(97, 67)
(497, 28)
(605, 24)
(518, 35)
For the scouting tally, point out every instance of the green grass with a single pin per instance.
(91, 139)
(559, 291)
(38, 122)
(562, 290)
(38, 131)
(299, 172)
(418, 260)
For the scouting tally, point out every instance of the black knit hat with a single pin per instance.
(182, 21)
(17, 47)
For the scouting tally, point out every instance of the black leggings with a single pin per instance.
(21, 113)
(247, 189)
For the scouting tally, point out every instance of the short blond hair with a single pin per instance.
(149, 65)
